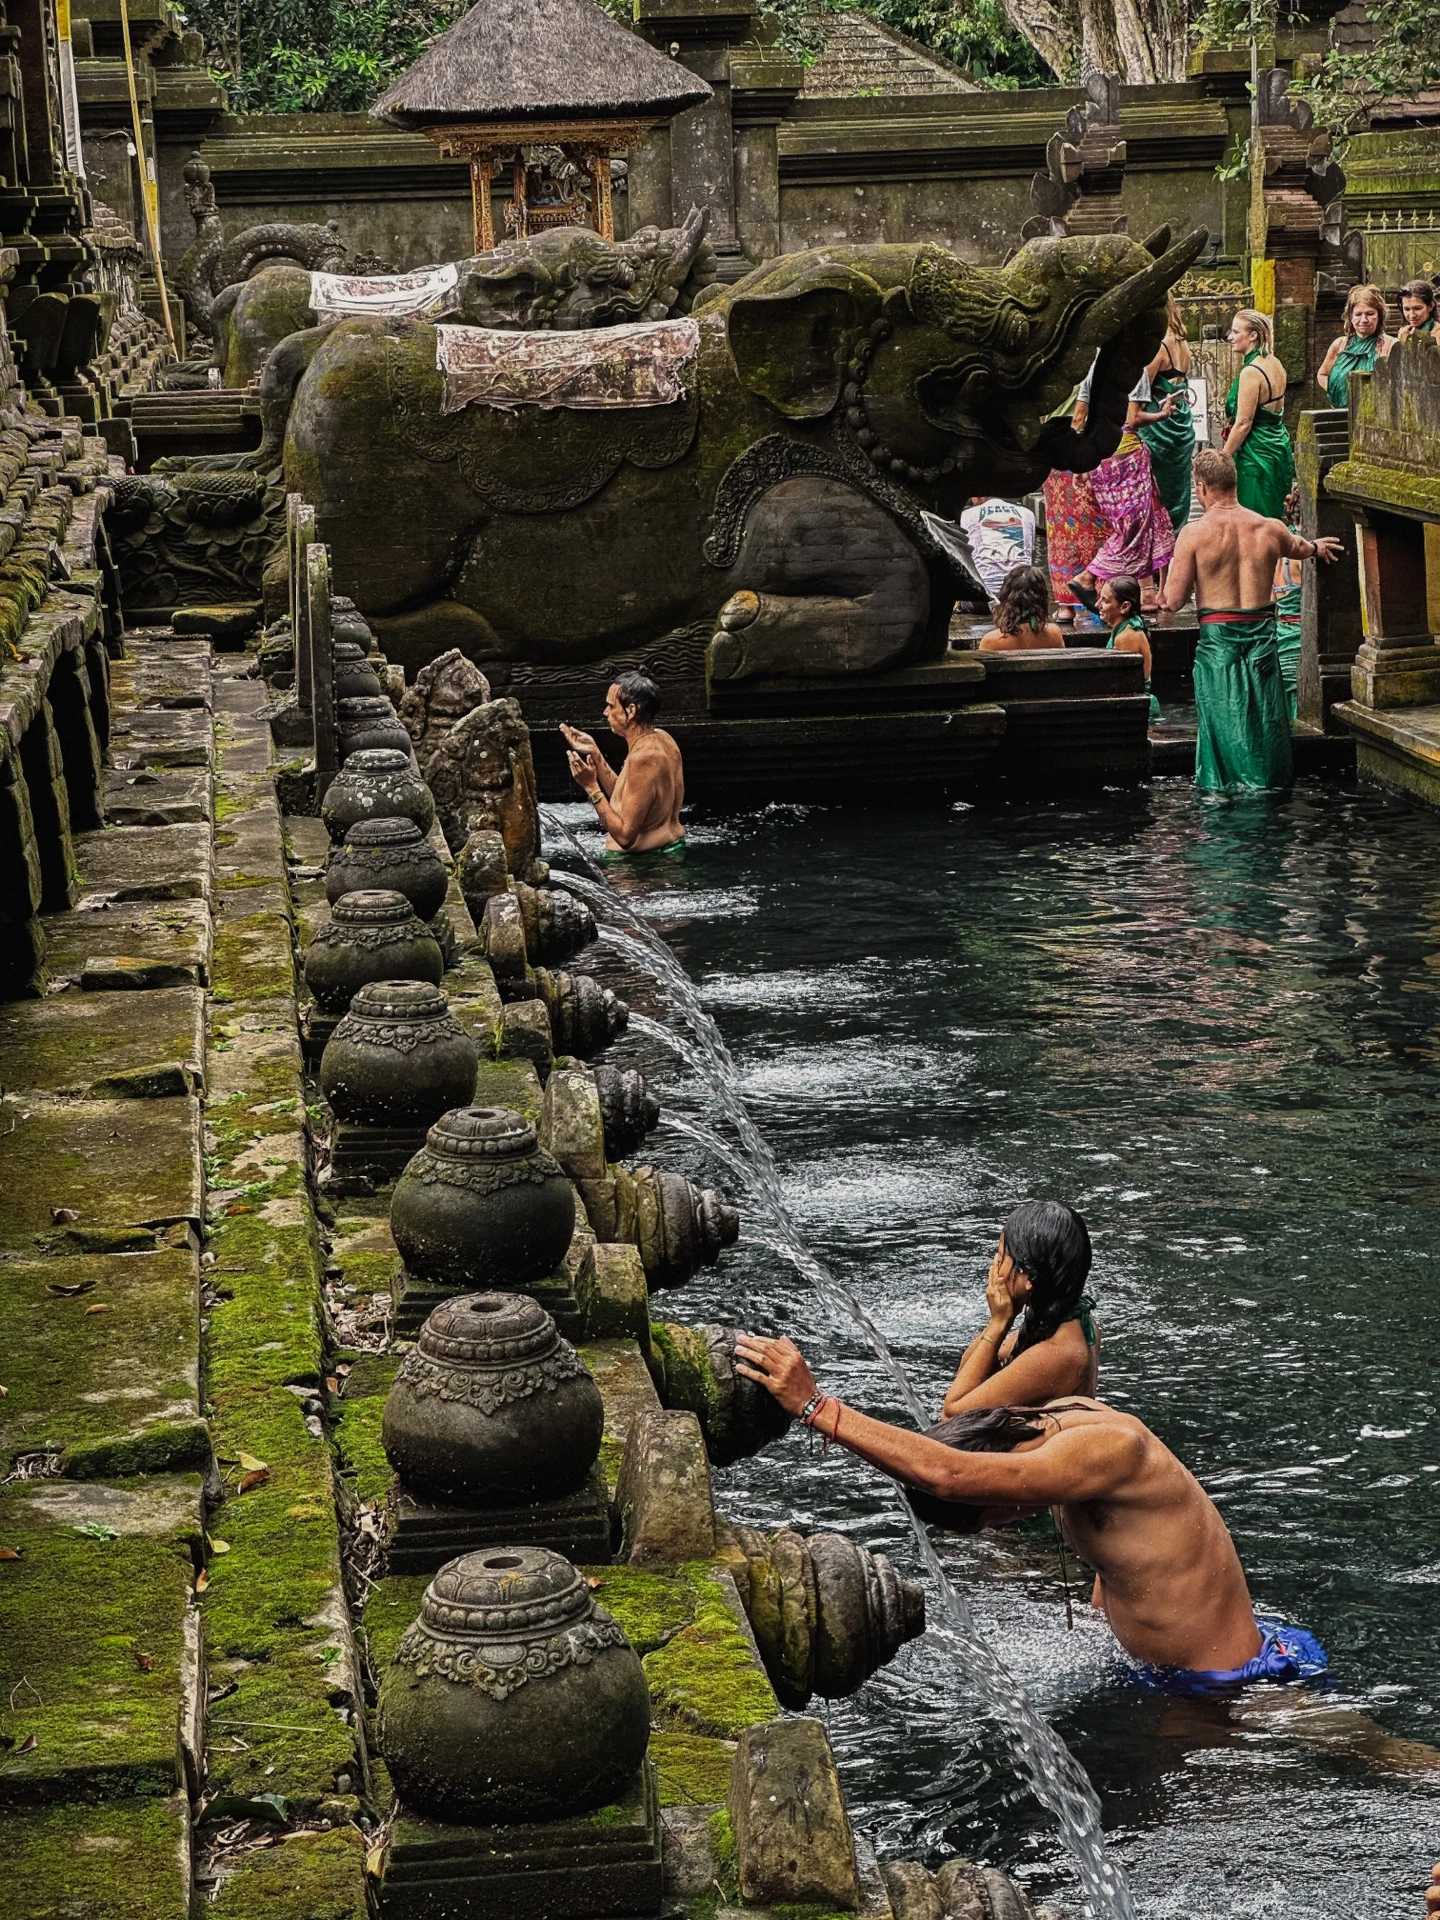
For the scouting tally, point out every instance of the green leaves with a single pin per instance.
(315, 56)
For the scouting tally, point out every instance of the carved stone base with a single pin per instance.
(315, 1030)
(290, 725)
(415, 1299)
(364, 1157)
(1396, 676)
(420, 1538)
(597, 1865)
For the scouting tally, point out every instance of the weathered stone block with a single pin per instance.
(144, 863)
(613, 1295)
(76, 1043)
(525, 1033)
(792, 1833)
(112, 1163)
(571, 1126)
(127, 1858)
(663, 1496)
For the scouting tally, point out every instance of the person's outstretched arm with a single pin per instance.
(1084, 1463)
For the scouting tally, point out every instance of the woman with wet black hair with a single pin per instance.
(1040, 1343)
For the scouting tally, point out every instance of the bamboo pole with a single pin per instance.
(149, 192)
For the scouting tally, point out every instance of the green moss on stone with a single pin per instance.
(691, 1769)
(357, 1416)
(707, 1678)
(510, 1083)
(91, 1643)
(392, 1605)
(172, 1446)
(309, 1876)
(266, 1326)
(125, 1859)
(252, 958)
(649, 1606)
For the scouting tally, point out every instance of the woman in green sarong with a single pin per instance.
(1258, 441)
(1171, 438)
(1287, 611)
(1359, 347)
(1418, 304)
(1118, 604)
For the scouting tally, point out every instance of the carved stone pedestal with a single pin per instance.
(1389, 676)
(363, 1157)
(421, 1536)
(597, 1865)
(416, 1299)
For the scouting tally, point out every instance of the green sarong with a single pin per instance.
(672, 850)
(1265, 464)
(1139, 625)
(1172, 447)
(1242, 738)
(1356, 356)
(1287, 642)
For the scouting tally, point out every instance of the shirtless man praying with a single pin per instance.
(1168, 1578)
(639, 807)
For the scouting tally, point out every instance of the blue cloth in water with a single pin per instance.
(1287, 1654)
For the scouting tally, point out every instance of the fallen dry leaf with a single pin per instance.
(4, 1393)
(218, 1546)
(332, 1385)
(99, 1307)
(67, 1292)
(9, 1553)
(256, 1478)
(202, 1580)
(145, 1662)
(249, 1462)
(28, 1744)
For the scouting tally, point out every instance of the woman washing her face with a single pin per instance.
(1040, 1342)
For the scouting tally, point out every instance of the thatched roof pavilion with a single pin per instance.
(516, 73)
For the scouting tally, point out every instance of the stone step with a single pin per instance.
(126, 1858)
(118, 864)
(141, 798)
(138, 1045)
(101, 1363)
(99, 1642)
(112, 1170)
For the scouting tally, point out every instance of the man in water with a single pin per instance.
(1227, 558)
(639, 807)
(1168, 1578)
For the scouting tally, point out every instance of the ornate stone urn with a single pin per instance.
(390, 852)
(513, 1696)
(481, 1205)
(628, 1109)
(491, 1406)
(374, 783)
(369, 722)
(355, 678)
(371, 935)
(399, 1058)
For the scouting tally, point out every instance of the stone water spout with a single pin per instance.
(628, 1110)
(826, 1614)
(694, 1368)
(584, 1016)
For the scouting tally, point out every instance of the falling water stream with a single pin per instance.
(1056, 1778)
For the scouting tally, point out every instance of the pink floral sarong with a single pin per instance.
(1073, 531)
(1139, 536)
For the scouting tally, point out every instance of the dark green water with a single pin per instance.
(1215, 1029)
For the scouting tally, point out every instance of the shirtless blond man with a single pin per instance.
(1227, 558)
(1168, 1577)
(639, 807)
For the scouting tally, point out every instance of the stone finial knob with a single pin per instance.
(513, 1696)
(389, 852)
(482, 1205)
(376, 781)
(399, 1057)
(372, 934)
(491, 1406)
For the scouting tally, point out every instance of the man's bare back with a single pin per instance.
(1168, 1576)
(649, 792)
(1228, 558)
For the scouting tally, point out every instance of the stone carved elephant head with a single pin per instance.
(569, 277)
(941, 369)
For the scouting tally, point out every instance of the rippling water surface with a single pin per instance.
(1214, 1029)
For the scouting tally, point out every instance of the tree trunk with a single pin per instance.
(1143, 41)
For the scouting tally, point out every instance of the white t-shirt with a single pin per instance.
(1002, 538)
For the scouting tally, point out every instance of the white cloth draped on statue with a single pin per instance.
(631, 366)
(428, 292)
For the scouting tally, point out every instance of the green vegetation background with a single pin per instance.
(337, 56)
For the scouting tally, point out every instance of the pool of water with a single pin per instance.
(1215, 1029)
